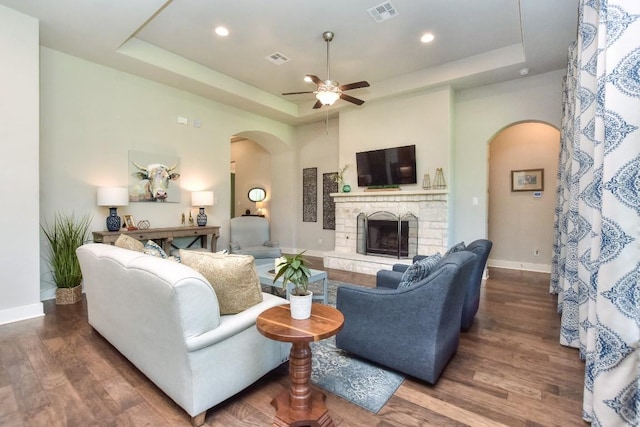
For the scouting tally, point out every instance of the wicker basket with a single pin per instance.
(68, 295)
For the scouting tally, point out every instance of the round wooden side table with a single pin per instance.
(300, 405)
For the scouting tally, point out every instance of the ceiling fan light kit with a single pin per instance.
(329, 91)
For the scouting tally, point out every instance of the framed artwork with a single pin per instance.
(310, 195)
(527, 180)
(129, 222)
(152, 177)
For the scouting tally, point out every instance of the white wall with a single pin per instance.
(93, 115)
(480, 114)
(423, 119)
(518, 221)
(19, 133)
(316, 148)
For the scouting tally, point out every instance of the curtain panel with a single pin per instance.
(596, 261)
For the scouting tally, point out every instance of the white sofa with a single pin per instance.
(163, 316)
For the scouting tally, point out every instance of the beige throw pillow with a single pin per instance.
(126, 242)
(233, 278)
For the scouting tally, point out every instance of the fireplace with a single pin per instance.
(386, 234)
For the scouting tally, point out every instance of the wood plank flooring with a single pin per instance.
(509, 371)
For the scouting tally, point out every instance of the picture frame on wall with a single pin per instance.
(527, 180)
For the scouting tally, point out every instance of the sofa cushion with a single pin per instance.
(127, 242)
(233, 278)
(418, 271)
(460, 246)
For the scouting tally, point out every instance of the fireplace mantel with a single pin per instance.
(429, 206)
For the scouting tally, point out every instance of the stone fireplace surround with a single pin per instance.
(429, 206)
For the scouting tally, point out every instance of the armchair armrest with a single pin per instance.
(388, 279)
(401, 268)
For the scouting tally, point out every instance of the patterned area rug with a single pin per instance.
(356, 380)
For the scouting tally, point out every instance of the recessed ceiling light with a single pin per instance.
(222, 31)
(523, 71)
(427, 37)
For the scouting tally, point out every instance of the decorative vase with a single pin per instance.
(439, 182)
(300, 306)
(201, 218)
(68, 295)
(113, 220)
(346, 188)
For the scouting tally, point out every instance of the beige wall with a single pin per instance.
(253, 169)
(93, 115)
(480, 113)
(520, 223)
(19, 133)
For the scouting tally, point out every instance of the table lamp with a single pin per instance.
(202, 199)
(112, 197)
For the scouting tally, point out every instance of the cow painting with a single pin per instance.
(153, 182)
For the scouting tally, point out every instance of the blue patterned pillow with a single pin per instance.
(153, 249)
(418, 271)
(460, 246)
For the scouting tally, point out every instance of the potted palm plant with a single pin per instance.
(293, 269)
(65, 235)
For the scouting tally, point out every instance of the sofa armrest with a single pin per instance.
(234, 323)
(388, 279)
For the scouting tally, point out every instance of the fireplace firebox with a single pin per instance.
(383, 233)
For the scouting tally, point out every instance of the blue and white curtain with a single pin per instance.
(596, 262)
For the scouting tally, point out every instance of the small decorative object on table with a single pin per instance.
(130, 223)
(190, 220)
(438, 182)
(202, 199)
(426, 182)
(144, 224)
(339, 178)
(294, 270)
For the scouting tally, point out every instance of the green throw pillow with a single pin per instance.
(418, 271)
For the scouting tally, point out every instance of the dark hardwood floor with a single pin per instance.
(509, 370)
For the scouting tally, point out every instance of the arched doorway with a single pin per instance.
(521, 222)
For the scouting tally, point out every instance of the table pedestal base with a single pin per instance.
(316, 416)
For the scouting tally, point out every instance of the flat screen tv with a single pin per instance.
(389, 166)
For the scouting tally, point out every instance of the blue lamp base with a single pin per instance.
(201, 218)
(113, 220)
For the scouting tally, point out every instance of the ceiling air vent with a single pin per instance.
(383, 11)
(277, 58)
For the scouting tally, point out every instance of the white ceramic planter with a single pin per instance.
(301, 306)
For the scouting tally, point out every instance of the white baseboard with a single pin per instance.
(515, 265)
(24, 312)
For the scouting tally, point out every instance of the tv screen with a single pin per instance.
(389, 166)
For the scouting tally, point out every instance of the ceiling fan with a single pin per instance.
(329, 91)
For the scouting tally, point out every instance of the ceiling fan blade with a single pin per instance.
(297, 93)
(351, 99)
(318, 104)
(315, 79)
(355, 85)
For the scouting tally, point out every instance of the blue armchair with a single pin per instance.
(480, 247)
(415, 330)
(250, 236)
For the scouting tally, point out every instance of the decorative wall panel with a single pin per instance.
(310, 195)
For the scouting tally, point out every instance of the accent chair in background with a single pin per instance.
(480, 247)
(250, 235)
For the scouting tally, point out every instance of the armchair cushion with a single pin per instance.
(418, 271)
(233, 278)
(250, 236)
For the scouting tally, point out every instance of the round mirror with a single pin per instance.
(257, 194)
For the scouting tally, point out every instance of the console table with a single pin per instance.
(164, 235)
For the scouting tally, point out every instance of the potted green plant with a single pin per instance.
(339, 179)
(65, 235)
(293, 269)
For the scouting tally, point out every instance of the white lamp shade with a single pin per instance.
(113, 196)
(202, 198)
